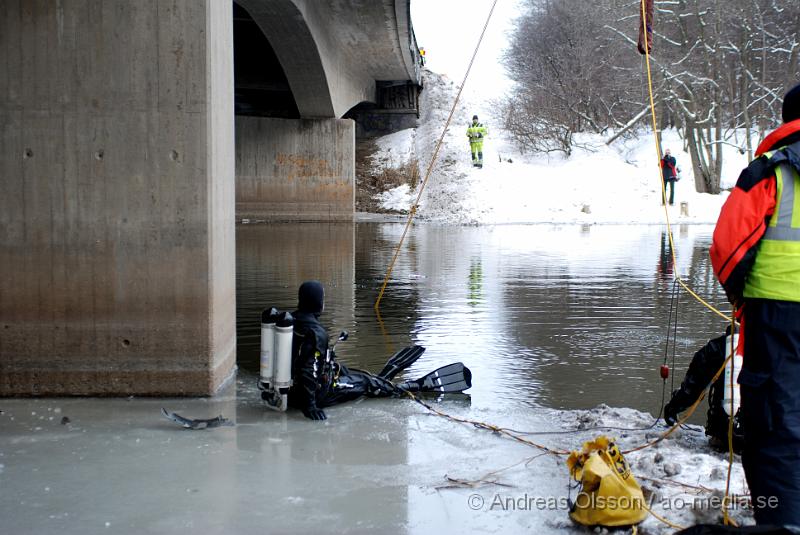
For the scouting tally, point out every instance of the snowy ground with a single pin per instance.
(89, 466)
(597, 184)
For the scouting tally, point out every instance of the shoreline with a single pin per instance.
(369, 217)
(375, 217)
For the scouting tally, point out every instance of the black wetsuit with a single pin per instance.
(705, 363)
(318, 380)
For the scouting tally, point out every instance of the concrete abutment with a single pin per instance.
(295, 169)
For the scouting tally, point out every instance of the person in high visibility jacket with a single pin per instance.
(476, 133)
(756, 257)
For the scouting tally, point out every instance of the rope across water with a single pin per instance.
(678, 279)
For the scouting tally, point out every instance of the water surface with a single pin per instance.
(556, 316)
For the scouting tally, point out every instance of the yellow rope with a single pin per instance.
(414, 207)
(489, 427)
(501, 431)
(661, 173)
(662, 519)
(690, 411)
(726, 501)
(686, 416)
(702, 301)
(732, 318)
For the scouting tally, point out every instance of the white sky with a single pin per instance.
(449, 31)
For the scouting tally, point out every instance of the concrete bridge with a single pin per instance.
(132, 135)
(317, 62)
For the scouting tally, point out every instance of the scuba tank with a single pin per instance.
(734, 366)
(268, 318)
(275, 378)
(284, 331)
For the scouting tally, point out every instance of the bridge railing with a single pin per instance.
(414, 67)
(414, 49)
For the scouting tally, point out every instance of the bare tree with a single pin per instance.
(720, 70)
(563, 61)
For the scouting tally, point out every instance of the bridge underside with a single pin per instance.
(122, 167)
(300, 66)
(334, 52)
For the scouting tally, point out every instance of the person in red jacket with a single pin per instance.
(669, 172)
(756, 257)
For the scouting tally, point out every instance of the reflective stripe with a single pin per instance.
(782, 230)
(782, 234)
(787, 197)
(775, 273)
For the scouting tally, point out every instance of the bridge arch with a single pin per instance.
(286, 28)
(337, 54)
(261, 87)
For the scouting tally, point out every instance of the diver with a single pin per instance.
(319, 381)
(705, 363)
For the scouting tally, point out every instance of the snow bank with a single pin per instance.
(398, 199)
(597, 184)
(683, 478)
(395, 149)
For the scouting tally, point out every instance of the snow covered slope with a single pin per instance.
(600, 184)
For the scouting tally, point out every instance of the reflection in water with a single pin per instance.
(272, 261)
(666, 265)
(561, 316)
(475, 282)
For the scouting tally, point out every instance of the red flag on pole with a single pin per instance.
(646, 26)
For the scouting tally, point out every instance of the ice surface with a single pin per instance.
(373, 465)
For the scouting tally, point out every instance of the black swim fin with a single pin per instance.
(452, 378)
(400, 361)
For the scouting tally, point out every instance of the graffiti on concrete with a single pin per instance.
(303, 168)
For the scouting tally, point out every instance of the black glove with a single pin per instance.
(670, 414)
(314, 413)
(735, 298)
(480, 135)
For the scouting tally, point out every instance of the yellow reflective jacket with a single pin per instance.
(776, 270)
(476, 132)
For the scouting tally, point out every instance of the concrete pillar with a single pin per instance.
(117, 205)
(290, 169)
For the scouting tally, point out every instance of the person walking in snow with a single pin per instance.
(476, 132)
(669, 171)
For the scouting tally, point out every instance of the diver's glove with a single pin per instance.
(314, 413)
(671, 410)
(670, 414)
(678, 402)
